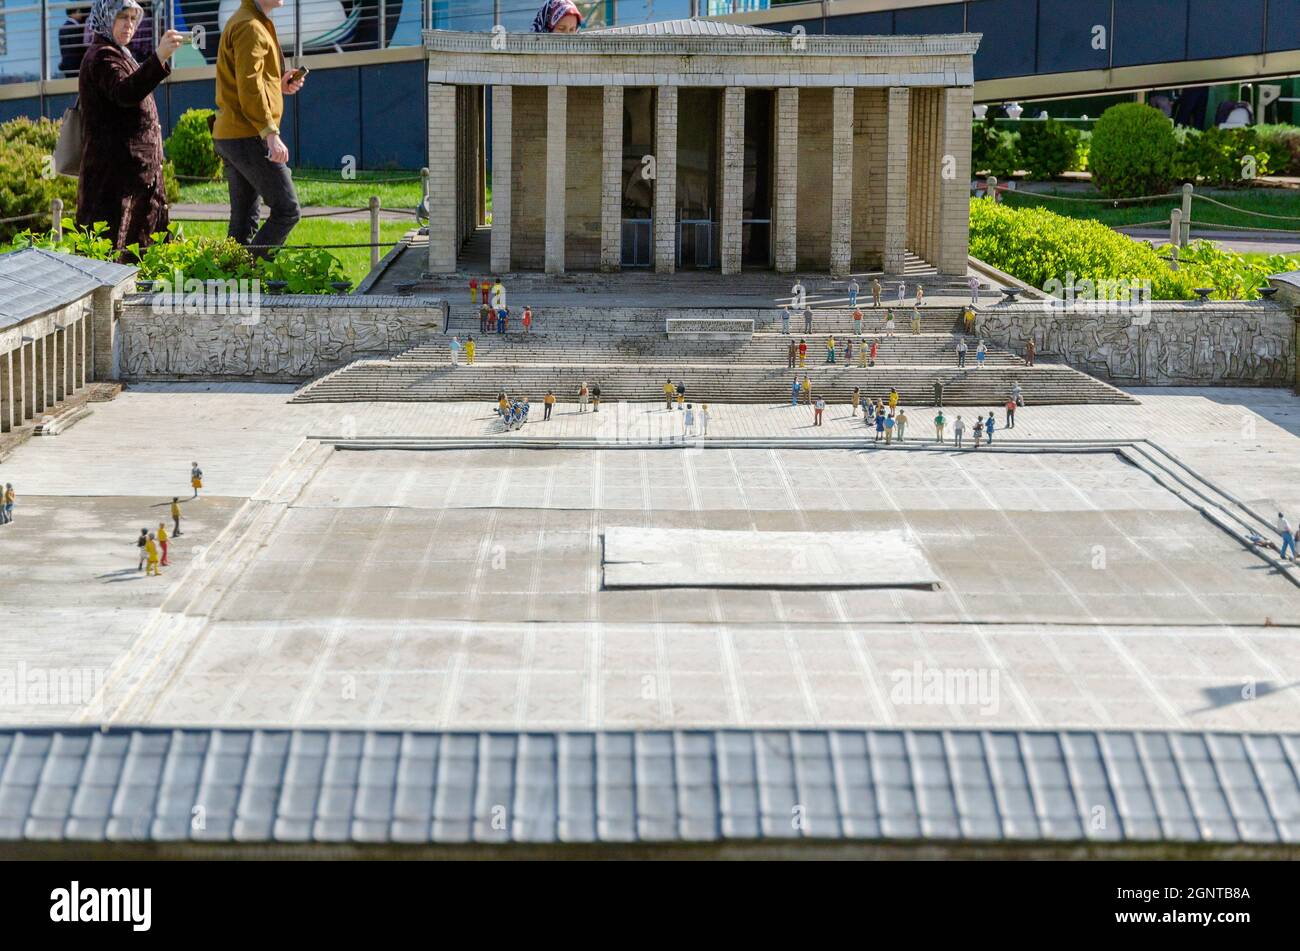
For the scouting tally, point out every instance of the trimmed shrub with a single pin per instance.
(1222, 157)
(1047, 148)
(27, 180)
(1037, 245)
(993, 152)
(1282, 142)
(1132, 151)
(190, 146)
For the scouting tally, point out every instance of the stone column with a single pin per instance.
(27, 357)
(733, 177)
(953, 229)
(611, 181)
(841, 180)
(557, 135)
(7, 391)
(443, 168)
(60, 363)
(40, 378)
(785, 212)
(896, 141)
(80, 369)
(503, 137)
(103, 336)
(666, 179)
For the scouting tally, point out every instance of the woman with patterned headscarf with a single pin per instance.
(557, 16)
(121, 180)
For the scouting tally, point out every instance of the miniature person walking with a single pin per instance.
(848, 351)
(938, 392)
(880, 427)
(7, 500)
(980, 352)
(548, 404)
(151, 555)
(1029, 352)
(916, 321)
(141, 543)
(794, 391)
(162, 543)
(855, 400)
(857, 322)
(1288, 536)
(973, 283)
(806, 387)
(785, 320)
(819, 407)
(958, 430)
(176, 517)
(584, 395)
(939, 423)
(875, 348)
(791, 354)
(469, 350)
(807, 320)
(669, 390)
(196, 478)
(830, 349)
(961, 352)
(803, 353)
(528, 320)
(875, 292)
(690, 419)
(1011, 414)
(978, 431)
(853, 293)
(900, 424)
(988, 427)
(595, 397)
(704, 420)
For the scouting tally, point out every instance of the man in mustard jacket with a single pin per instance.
(251, 86)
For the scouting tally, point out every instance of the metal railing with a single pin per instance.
(42, 40)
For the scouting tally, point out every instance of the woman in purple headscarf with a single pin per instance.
(557, 16)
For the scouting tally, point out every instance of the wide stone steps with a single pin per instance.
(463, 320)
(766, 350)
(398, 381)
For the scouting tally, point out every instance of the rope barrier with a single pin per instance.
(1245, 211)
(1115, 202)
(37, 214)
(320, 181)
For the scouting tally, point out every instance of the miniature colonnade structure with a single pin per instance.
(700, 144)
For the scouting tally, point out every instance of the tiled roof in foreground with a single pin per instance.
(35, 281)
(655, 786)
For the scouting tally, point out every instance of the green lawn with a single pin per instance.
(318, 231)
(318, 187)
(1273, 201)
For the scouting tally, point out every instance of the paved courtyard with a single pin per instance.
(461, 588)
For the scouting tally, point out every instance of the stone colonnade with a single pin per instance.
(44, 360)
(861, 176)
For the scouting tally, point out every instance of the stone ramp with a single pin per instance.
(404, 381)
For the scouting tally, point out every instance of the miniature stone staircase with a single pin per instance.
(627, 353)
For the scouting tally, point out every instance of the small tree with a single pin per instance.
(190, 146)
(1132, 151)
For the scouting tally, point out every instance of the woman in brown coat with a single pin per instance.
(121, 181)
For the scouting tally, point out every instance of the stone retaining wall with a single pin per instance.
(1223, 343)
(287, 339)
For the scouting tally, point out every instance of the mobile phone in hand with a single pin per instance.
(299, 74)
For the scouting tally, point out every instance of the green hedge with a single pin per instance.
(1037, 245)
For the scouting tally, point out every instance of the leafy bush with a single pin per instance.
(306, 270)
(199, 258)
(1132, 151)
(1233, 276)
(190, 146)
(1037, 245)
(27, 180)
(1047, 148)
(1222, 157)
(993, 152)
(1282, 142)
(1082, 146)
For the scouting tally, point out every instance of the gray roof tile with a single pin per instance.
(250, 785)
